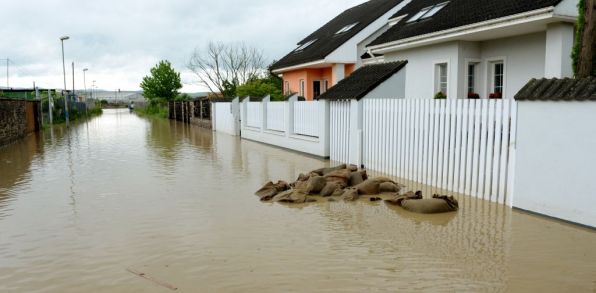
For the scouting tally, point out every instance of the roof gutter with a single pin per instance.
(299, 66)
(466, 29)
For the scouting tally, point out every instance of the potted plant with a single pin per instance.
(474, 96)
(440, 96)
(496, 96)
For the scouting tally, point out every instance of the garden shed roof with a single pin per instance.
(566, 89)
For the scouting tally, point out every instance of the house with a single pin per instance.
(375, 81)
(477, 49)
(332, 52)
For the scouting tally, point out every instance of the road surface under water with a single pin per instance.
(83, 210)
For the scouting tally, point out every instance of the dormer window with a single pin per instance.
(395, 20)
(346, 28)
(427, 12)
(305, 45)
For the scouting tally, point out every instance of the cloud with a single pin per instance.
(119, 40)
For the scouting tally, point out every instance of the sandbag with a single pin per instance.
(408, 195)
(350, 194)
(341, 177)
(356, 178)
(330, 189)
(290, 196)
(437, 204)
(368, 187)
(269, 190)
(325, 171)
(390, 187)
(315, 184)
(353, 168)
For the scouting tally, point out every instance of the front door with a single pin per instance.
(316, 86)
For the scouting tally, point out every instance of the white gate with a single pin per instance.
(340, 131)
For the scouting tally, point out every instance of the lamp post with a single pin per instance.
(62, 39)
(85, 82)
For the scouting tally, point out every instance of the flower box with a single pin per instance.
(496, 96)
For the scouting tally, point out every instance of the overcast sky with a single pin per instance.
(120, 40)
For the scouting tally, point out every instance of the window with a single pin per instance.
(305, 45)
(498, 77)
(302, 87)
(316, 88)
(325, 86)
(441, 78)
(287, 87)
(472, 78)
(346, 28)
(427, 12)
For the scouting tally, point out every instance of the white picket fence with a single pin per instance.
(462, 146)
(339, 142)
(276, 116)
(304, 122)
(254, 112)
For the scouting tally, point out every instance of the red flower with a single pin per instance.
(496, 96)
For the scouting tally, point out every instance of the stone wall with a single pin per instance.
(13, 120)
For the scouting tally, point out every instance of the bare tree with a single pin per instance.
(223, 67)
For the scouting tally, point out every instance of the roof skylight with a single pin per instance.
(427, 12)
(346, 28)
(305, 45)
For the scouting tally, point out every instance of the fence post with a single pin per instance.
(236, 115)
(290, 115)
(264, 102)
(325, 126)
(355, 156)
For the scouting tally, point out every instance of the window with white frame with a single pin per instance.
(287, 87)
(497, 79)
(427, 12)
(346, 28)
(304, 46)
(302, 87)
(442, 78)
(472, 78)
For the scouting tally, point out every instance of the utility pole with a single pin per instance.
(73, 85)
(85, 82)
(50, 106)
(7, 73)
(62, 39)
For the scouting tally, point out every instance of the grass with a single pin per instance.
(153, 111)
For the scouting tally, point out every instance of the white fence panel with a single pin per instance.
(254, 114)
(224, 118)
(463, 146)
(276, 116)
(340, 131)
(306, 121)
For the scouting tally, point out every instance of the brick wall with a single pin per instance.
(13, 120)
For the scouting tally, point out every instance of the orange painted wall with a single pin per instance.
(349, 69)
(309, 75)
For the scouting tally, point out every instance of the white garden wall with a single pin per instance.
(556, 160)
(225, 117)
(298, 126)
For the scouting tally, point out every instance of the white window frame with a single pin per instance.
(427, 12)
(346, 28)
(302, 87)
(286, 87)
(419, 14)
(490, 84)
(477, 77)
(305, 45)
(437, 78)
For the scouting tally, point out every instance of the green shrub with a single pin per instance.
(440, 96)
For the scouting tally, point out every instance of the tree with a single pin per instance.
(223, 67)
(260, 87)
(162, 84)
(585, 44)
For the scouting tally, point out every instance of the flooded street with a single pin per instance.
(81, 209)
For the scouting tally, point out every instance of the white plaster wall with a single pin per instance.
(567, 8)
(524, 59)
(555, 166)
(420, 73)
(559, 45)
(392, 88)
(348, 52)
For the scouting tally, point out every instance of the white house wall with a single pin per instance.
(392, 88)
(567, 8)
(420, 79)
(556, 160)
(524, 58)
(348, 52)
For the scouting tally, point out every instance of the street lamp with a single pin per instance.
(62, 39)
(85, 82)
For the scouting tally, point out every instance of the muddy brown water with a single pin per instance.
(81, 209)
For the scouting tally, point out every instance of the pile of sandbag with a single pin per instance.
(349, 183)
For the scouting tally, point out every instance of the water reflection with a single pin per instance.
(81, 206)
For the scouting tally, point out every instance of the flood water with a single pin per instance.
(81, 209)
